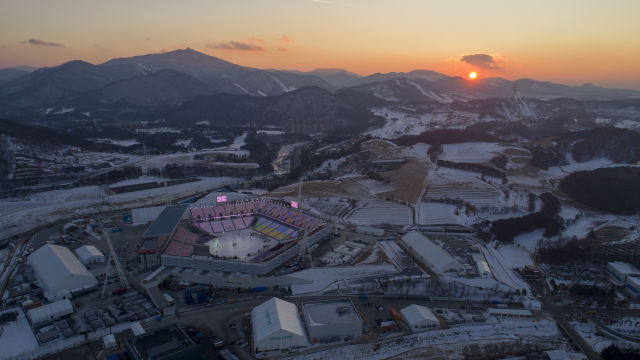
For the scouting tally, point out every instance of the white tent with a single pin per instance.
(419, 317)
(89, 254)
(430, 253)
(46, 313)
(60, 273)
(277, 325)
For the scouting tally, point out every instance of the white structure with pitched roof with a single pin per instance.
(419, 317)
(276, 325)
(89, 254)
(60, 273)
(430, 253)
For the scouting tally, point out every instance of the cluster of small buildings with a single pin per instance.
(281, 325)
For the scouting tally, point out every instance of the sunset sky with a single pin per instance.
(567, 41)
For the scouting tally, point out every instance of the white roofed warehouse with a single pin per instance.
(429, 253)
(48, 313)
(418, 317)
(276, 325)
(329, 321)
(89, 254)
(60, 273)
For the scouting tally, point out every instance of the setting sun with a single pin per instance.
(472, 75)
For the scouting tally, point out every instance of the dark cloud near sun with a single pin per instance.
(44, 43)
(484, 61)
(237, 45)
(281, 49)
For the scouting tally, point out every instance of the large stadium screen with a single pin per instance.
(294, 204)
(221, 198)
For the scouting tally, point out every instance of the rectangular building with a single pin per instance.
(619, 271)
(419, 317)
(276, 325)
(46, 314)
(329, 321)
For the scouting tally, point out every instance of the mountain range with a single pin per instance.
(172, 78)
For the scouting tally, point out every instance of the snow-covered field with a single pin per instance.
(454, 184)
(399, 122)
(377, 212)
(443, 344)
(16, 337)
(557, 172)
(122, 142)
(479, 152)
(140, 180)
(515, 256)
(433, 213)
(337, 207)
(529, 240)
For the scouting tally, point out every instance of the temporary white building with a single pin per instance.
(276, 325)
(430, 253)
(60, 273)
(89, 254)
(419, 317)
(50, 312)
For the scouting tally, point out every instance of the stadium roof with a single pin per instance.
(435, 257)
(58, 270)
(167, 221)
(275, 315)
(417, 314)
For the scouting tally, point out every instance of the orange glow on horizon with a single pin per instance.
(473, 75)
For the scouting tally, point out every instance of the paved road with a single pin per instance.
(558, 313)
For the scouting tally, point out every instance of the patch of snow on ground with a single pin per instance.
(529, 240)
(580, 229)
(64, 110)
(450, 342)
(17, 336)
(140, 180)
(433, 213)
(515, 256)
(377, 212)
(121, 142)
(183, 143)
(564, 170)
(418, 150)
(627, 124)
(568, 212)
